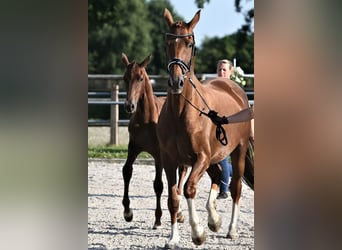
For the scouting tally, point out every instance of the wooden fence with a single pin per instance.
(104, 90)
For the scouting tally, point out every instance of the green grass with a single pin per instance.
(111, 152)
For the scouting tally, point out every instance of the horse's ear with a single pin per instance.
(194, 21)
(168, 17)
(146, 61)
(124, 59)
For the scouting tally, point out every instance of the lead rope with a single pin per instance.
(212, 114)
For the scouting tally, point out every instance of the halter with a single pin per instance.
(185, 68)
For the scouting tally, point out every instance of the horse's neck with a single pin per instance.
(147, 103)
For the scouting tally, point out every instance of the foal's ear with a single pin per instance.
(168, 17)
(146, 61)
(194, 21)
(124, 59)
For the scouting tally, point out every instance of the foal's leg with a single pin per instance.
(158, 189)
(127, 170)
(198, 234)
(238, 163)
(214, 219)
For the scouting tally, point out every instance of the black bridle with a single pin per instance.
(185, 68)
(217, 120)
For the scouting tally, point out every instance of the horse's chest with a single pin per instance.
(179, 143)
(142, 132)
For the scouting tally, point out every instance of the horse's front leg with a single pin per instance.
(198, 233)
(214, 219)
(127, 170)
(182, 170)
(172, 202)
(158, 189)
(238, 163)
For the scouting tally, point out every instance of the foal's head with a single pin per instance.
(180, 49)
(135, 78)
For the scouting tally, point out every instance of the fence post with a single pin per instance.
(114, 115)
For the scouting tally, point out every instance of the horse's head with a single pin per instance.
(135, 77)
(180, 49)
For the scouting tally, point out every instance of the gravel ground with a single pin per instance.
(107, 228)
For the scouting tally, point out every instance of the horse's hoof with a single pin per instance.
(180, 217)
(216, 226)
(171, 246)
(128, 216)
(156, 226)
(200, 239)
(233, 234)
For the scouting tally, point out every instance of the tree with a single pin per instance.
(138, 28)
(249, 15)
(243, 40)
(200, 3)
(115, 27)
(159, 28)
(216, 48)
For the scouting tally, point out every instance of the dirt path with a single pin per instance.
(107, 228)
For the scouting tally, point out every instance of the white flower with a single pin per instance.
(239, 71)
(237, 76)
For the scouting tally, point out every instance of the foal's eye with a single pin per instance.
(141, 79)
(190, 45)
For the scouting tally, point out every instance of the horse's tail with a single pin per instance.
(248, 176)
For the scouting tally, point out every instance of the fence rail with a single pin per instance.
(112, 98)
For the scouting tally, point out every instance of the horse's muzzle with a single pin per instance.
(176, 85)
(130, 107)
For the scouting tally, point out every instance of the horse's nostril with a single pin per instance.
(129, 107)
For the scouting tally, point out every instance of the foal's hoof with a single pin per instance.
(216, 226)
(180, 217)
(199, 239)
(128, 216)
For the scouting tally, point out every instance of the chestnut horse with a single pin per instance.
(188, 137)
(145, 108)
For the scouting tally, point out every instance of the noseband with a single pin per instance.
(185, 68)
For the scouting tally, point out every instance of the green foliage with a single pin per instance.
(135, 27)
(200, 3)
(156, 9)
(138, 28)
(228, 47)
(115, 27)
(111, 152)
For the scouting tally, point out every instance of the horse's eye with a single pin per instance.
(141, 79)
(190, 45)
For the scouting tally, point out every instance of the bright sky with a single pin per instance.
(218, 18)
